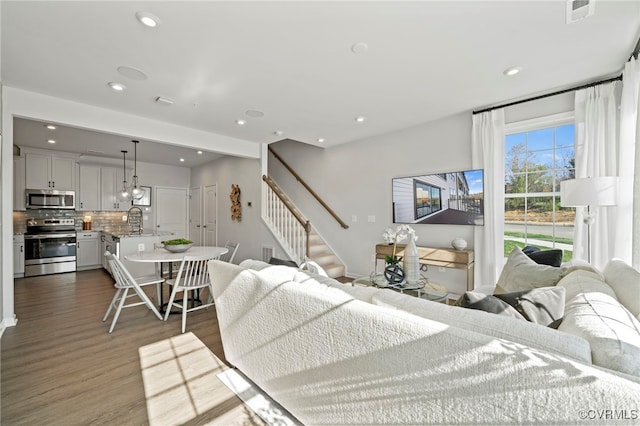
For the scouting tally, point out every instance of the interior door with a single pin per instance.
(172, 211)
(195, 216)
(210, 216)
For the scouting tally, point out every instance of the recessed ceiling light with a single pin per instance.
(360, 119)
(148, 19)
(199, 152)
(182, 160)
(51, 141)
(118, 87)
(320, 140)
(512, 71)
(254, 113)
(241, 122)
(51, 127)
(278, 133)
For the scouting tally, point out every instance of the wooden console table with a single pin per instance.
(443, 257)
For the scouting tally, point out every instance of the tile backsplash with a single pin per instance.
(108, 221)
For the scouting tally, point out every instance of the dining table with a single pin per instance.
(160, 256)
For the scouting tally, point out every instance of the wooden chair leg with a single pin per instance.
(171, 298)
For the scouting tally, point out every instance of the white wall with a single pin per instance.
(355, 180)
(251, 233)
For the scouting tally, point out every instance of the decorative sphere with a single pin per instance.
(393, 274)
(459, 243)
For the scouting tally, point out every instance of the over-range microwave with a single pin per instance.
(50, 199)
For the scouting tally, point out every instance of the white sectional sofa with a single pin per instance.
(334, 354)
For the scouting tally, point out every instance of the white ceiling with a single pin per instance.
(294, 61)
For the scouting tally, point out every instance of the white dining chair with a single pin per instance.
(231, 253)
(124, 283)
(193, 275)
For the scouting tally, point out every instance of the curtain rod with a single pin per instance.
(559, 92)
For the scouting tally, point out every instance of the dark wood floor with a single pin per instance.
(59, 365)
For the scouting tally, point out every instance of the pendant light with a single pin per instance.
(136, 192)
(125, 195)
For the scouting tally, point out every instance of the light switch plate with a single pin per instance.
(141, 247)
(372, 219)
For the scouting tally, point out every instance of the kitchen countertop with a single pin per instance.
(123, 234)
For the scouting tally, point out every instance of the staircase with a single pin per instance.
(294, 232)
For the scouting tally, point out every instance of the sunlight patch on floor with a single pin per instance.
(180, 382)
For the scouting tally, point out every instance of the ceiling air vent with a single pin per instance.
(579, 9)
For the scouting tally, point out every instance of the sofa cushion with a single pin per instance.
(501, 327)
(488, 303)
(522, 273)
(625, 282)
(357, 292)
(612, 331)
(544, 305)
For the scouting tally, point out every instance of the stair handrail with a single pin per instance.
(308, 188)
(274, 187)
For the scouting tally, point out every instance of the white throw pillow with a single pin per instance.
(313, 267)
(522, 273)
(584, 282)
(612, 331)
(625, 281)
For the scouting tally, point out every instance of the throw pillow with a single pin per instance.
(487, 303)
(546, 257)
(312, 267)
(544, 306)
(625, 282)
(276, 261)
(530, 249)
(522, 273)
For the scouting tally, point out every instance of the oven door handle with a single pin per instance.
(52, 235)
(72, 244)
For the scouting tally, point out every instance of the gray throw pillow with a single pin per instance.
(488, 303)
(544, 306)
(521, 273)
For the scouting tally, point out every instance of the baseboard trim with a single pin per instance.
(7, 322)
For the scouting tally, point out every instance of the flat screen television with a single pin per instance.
(454, 198)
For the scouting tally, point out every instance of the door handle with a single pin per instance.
(204, 226)
(197, 226)
(54, 183)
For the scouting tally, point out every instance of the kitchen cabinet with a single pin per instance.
(110, 186)
(19, 183)
(18, 256)
(49, 172)
(88, 250)
(89, 187)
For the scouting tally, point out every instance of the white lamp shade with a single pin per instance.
(594, 191)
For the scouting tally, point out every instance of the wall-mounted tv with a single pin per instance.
(455, 198)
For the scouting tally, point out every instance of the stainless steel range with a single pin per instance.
(50, 247)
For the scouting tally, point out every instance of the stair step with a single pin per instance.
(318, 250)
(334, 270)
(325, 259)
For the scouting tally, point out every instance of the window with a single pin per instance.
(427, 199)
(538, 156)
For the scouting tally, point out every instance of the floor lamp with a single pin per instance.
(589, 192)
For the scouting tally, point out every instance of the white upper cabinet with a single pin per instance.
(49, 172)
(89, 188)
(110, 187)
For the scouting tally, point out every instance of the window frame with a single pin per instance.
(539, 123)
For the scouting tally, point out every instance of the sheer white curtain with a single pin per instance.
(487, 152)
(596, 155)
(628, 213)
